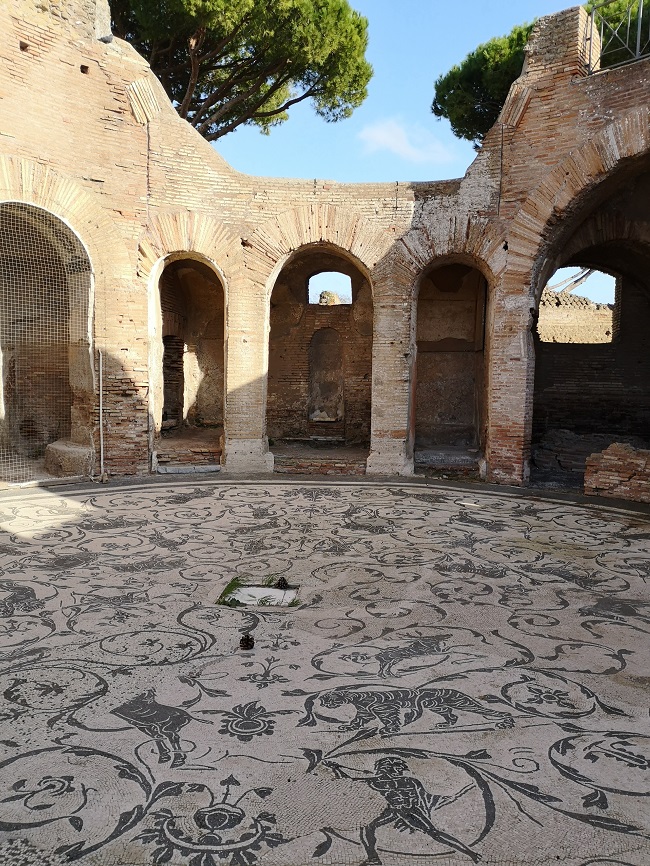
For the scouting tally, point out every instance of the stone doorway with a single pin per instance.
(47, 393)
(592, 361)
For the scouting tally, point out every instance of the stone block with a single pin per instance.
(63, 458)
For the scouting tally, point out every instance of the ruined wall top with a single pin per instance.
(91, 18)
(558, 44)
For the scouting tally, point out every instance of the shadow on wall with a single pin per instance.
(129, 425)
(450, 389)
(192, 307)
(189, 419)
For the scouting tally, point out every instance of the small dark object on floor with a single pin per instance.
(247, 642)
(282, 583)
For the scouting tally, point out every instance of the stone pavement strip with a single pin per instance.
(465, 677)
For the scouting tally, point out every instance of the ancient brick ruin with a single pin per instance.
(155, 311)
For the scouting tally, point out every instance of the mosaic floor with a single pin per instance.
(465, 677)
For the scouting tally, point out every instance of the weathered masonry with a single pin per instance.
(155, 310)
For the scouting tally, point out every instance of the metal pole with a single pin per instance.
(101, 414)
(638, 29)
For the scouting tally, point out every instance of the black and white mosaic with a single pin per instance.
(464, 679)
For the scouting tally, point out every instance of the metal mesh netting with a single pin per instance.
(44, 291)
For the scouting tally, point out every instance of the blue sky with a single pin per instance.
(393, 135)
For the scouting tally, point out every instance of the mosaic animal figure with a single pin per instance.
(422, 646)
(397, 708)
(160, 722)
(18, 598)
(617, 609)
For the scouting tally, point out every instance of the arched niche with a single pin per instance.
(47, 394)
(312, 346)
(190, 364)
(326, 378)
(450, 375)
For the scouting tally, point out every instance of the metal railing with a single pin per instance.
(622, 33)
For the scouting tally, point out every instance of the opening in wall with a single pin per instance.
(173, 381)
(449, 377)
(592, 365)
(329, 289)
(46, 394)
(192, 306)
(578, 305)
(320, 364)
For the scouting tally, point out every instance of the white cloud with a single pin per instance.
(411, 142)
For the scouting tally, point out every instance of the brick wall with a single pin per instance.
(620, 471)
(87, 133)
(450, 381)
(599, 388)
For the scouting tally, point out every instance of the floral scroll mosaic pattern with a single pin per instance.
(464, 679)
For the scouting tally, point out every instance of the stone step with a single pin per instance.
(196, 455)
(447, 462)
(308, 465)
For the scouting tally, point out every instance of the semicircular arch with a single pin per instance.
(182, 234)
(469, 261)
(537, 223)
(29, 182)
(422, 249)
(342, 230)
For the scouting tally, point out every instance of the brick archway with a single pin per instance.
(530, 239)
(583, 169)
(475, 242)
(398, 276)
(605, 228)
(30, 182)
(272, 243)
(176, 238)
(186, 232)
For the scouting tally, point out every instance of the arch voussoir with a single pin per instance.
(580, 171)
(27, 181)
(275, 239)
(183, 231)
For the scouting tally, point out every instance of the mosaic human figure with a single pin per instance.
(408, 806)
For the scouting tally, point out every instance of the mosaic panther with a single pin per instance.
(396, 708)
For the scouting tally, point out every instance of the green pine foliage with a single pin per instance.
(225, 63)
(471, 95)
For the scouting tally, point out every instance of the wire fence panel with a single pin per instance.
(44, 292)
